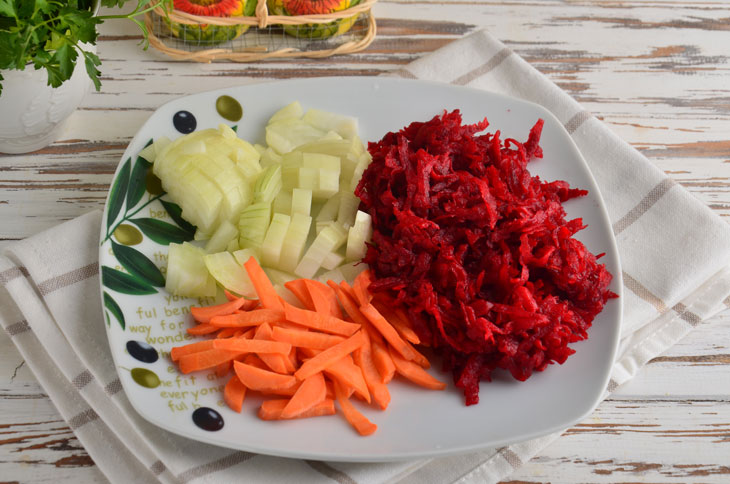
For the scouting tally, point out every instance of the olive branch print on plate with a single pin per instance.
(135, 189)
(143, 320)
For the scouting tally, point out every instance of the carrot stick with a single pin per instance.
(226, 332)
(360, 287)
(234, 393)
(349, 304)
(271, 409)
(277, 362)
(305, 339)
(398, 320)
(293, 357)
(309, 352)
(329, 356)
(258, 379)
(353, 416)
(204, 360)
(415, 373)
(222, 369)
(382, 361)
(323, 298)
(253, 360)
(375, 336)
(300, 291)
(321, 322)
(247, 306)
(420, 360)
(363, 357)
(390, 334)
(247, 318)
(204, 314)
(281, 392)
(345, 372)
(202, 328)
(312, 391)
(252, 346)
(262, 285)
(190, 348)
(349, 291)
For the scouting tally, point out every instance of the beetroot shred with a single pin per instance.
(477, 250)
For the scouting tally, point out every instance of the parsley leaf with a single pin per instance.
(7, 8)
(50, 34)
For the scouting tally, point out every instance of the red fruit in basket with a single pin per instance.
(311, 7)
(209, 8)
(211, 34)
(306, 7)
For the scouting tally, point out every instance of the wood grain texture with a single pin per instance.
(656, 72)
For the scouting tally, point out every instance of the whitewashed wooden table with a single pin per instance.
(656, 72)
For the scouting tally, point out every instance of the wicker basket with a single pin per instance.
(265, 38)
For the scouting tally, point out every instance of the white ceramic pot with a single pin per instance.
(32, 113)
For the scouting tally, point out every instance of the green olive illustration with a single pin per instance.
(128, 234)
(229, 108)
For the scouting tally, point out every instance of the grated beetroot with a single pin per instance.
(477, 250)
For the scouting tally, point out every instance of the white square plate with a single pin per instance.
(418, 423)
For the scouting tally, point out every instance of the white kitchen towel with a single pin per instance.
(675, 255)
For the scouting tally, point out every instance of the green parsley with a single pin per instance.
(50, 34)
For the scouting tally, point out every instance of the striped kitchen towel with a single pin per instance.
(674, 279)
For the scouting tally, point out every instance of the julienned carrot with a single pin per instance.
(391, 335)
(349, 291)
(312, 391)
(202, 328)
(363, 357)
(420, 360)
(226, 333)
(318, 321)
(382, 361)
(305, 339)
(259, 379)
(247, 318)
(277, 362)
(252, 346)
(345, 341)
(360, 287)
(204, 360)
(415, 373)
(345, 372)
(329, 356)
(353, 416)
(222, 369)
(205, 313)
(349, 304)
(191, 348)
(271, 409)
(293, 359)
(263, 287)
(234, 393)
(254, 360)
(397, 320)
(323, 298)
(300, 291)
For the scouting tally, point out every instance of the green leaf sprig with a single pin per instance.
(133, 189)
(50, 34)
